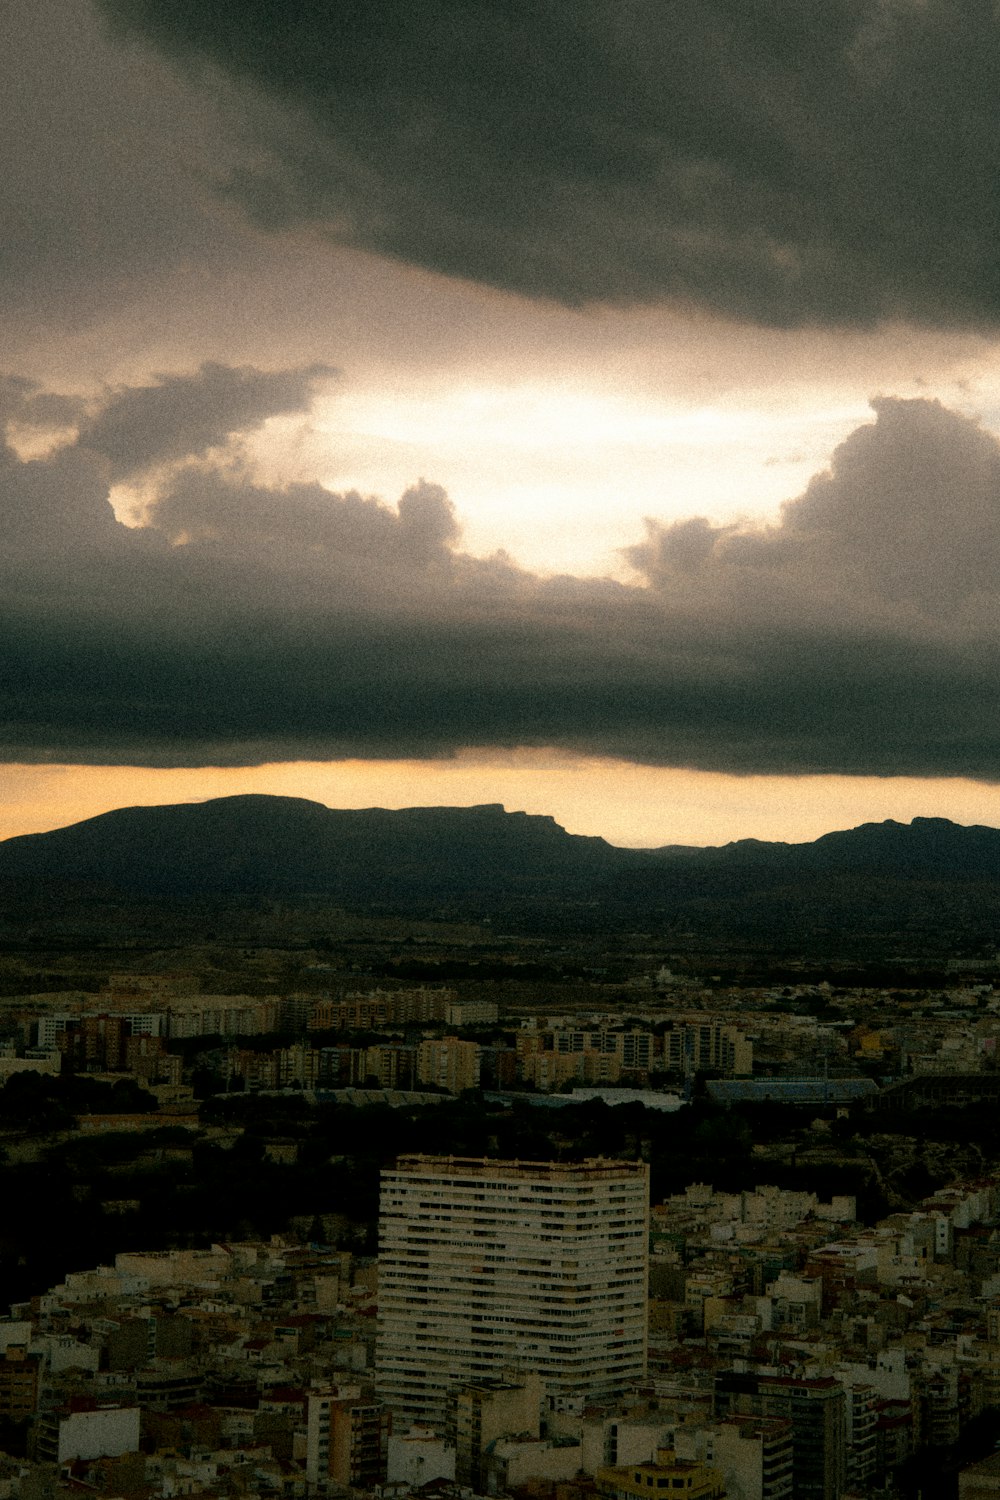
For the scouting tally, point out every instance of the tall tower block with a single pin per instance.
(492, 1267)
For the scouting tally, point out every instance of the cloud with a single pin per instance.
(787, 164)
(105, 157)
(50, 511)
(902, 531)
(303, 529)
(183, 416)
(24, 403)
(248, 622)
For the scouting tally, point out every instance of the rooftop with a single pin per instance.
(485, 1166)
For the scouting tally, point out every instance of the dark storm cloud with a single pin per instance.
(902, 532)
(247, 622)
(182, 416)
(787, 161)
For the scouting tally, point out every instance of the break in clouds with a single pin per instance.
(245, 622)
(789, 162)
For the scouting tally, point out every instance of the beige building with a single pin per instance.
(489, 1410)
(489, 1267)
(381, 1008)
(471, 1013)
(681, 1477)
(346, 1439)
(20, 1376)
(695, 1046)
(392, 1065)
(449, 1062)
(753, 1454)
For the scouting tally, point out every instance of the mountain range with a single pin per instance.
(887, 880)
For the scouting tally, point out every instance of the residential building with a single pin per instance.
(450, 1063)
(708, 1045)
(487, 1410)
(679, 1476)
(471, 1013)
(86, 1429)
(980, 1481)
(488, 1267)
(392, 1065)
(346, 1439)
(754, 1455)
(408, 1007)
(19, 1383)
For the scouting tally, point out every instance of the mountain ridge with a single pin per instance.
(294, 814)
(257, 842)
(889, 882)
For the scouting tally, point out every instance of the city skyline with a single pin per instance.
(565, 410)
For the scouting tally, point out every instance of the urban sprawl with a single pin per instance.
(692, 1239)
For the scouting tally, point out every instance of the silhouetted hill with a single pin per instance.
(927, 848)
(259, 845)
(930, 885)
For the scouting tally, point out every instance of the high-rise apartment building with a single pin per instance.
(816, 1409)
(488, 1267)
(449, 1062)
(692, 1046)
(346, 1439)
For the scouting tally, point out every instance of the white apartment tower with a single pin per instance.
(487, 1268)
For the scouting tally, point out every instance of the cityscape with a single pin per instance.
(499, 750)
(584, 1222)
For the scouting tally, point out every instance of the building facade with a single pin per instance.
(450, 1063)
(487, 1411)
(492, 1267)
(346, 1440)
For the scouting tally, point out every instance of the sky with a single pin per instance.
(592, 407)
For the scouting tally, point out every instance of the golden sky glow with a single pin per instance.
(555, 431)
(626, 804)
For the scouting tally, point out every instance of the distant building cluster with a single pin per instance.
(561, 1052)
(401, 1039)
